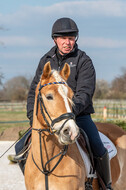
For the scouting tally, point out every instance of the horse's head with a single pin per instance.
(54, 107)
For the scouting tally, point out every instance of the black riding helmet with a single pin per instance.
(65, 27)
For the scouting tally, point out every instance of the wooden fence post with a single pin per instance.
(105, 113)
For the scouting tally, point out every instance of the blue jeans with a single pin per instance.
(85, 122)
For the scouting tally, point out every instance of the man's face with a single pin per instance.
(65, 43)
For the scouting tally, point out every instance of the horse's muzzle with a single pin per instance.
(68, 136)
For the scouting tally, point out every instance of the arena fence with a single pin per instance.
(12, 106)
(110, 109)
(104, 109)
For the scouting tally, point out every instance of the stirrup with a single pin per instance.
(19, 157)
(88, 184)
(106, 188)
(109, 187)
(15, 158)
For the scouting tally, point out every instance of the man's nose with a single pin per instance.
(67, 41)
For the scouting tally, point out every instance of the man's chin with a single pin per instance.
(67, 51)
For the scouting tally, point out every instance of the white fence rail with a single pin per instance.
(115, 109)
(12, 106)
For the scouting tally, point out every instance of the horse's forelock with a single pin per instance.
(57, 76)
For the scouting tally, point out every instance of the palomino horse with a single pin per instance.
(54, 161)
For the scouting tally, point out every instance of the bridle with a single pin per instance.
(66, 116)
(51, 131)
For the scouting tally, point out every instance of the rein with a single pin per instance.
(51, 131)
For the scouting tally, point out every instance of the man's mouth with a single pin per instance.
(67, 48)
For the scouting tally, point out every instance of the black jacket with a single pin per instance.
(81, 79)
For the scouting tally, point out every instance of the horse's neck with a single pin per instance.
(49, 143)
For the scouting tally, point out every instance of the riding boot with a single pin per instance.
(103, 169)
(21, 149)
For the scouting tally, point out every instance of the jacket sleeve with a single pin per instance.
(31, 94)
(85, 85)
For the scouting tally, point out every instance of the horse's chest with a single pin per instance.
(52, 186)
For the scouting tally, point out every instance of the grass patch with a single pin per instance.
(13, 119)
(19, 118)
(121, 124)
(13, 115)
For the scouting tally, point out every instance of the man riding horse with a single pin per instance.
(82, 81)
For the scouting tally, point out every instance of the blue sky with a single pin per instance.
(25, 33)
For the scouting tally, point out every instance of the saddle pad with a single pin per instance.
(87, 163)
(107, 144)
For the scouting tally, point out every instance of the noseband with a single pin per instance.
(66, 116)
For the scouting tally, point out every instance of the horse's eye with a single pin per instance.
(49, 96)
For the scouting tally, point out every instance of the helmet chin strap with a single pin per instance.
(77, 38)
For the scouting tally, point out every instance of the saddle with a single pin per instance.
(89, 160)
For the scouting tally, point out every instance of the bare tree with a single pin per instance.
(17, 88)
(102, 89)
(118, 86)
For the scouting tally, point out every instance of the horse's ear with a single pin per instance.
(46, 70)
(65, 72)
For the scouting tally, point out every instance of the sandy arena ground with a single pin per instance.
(11, 177)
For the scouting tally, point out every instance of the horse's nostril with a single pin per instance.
(66, 131)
